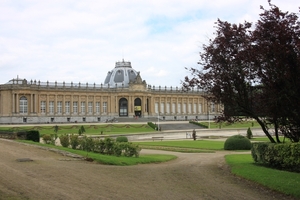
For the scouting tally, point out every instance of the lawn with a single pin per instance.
(190, 144)
(246, 124)
(283, 181)
(106, 129)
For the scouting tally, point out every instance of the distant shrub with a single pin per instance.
(33, 135)
(154, 126)
(249, 133)
(74, 141)
(237, 142)
(122, 139)
(47, 139)
(64, 140)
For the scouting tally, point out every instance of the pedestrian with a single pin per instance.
(194, 134)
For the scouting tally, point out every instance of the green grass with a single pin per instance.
(191, 144)
(266, 139)
(225, 125)
(107, 129)
(112, 160)
(282, 181)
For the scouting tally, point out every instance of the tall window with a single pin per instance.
(200, 108)
(190, 108)
(43, 107)
(90, 107)
(97, 107)
(168, 108)
(184, 108)
(51, 107)
(212, 107)
(23, 105)
(67, 107)
(83, 107)
(75, 107)
(156, 108)
(178, 108)
(173, 108)
(105, 107)
(162, 107)
(195, 108)
(59, 107)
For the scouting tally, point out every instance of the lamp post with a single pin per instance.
(158, 122)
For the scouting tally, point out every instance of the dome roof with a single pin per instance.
(121, 75)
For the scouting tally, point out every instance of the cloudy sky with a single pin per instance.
(80, 41)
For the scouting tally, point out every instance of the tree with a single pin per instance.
(253, 74)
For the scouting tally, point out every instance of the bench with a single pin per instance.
(157, 138)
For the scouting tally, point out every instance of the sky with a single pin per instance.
(80, 41)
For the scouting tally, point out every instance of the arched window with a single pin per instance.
(23, 105)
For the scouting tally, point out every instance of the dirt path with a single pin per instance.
(52, 176)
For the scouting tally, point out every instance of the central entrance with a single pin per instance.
(138, 107)
(123, 107)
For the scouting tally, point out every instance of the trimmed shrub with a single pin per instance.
(87, 144)
(64, 140)
(47, 139)
(198, 124)
(74, 141)
(280, 156)
(33, 135)
(249, 133)
(154, 126)
(122, 139)
(237, 142)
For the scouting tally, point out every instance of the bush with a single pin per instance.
(122, 139)
(249, 133)
(87, 144)
(74, 141)
(237, 142)
(64, 140)
(280, 156)
(152, 125)
(33, 135)
(47, 139)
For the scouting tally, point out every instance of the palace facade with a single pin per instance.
(123, 94)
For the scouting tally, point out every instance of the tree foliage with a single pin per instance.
(255, 72)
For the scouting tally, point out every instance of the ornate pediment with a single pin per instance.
(138, 83)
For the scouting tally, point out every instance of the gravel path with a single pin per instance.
(44, 174)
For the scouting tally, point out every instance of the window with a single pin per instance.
(190, 108)
(212, 107)
(156, 108)
(195, 108)
(162, 107)
(105, 107)
(168, 108)
(59, 107)
(90, 107)
(97, 107)
(83, 107)
(178, 108)
(173, 108)
(67, 107)
(75, 107)
(51, 107)
(184, 108)
(200, 108)
(23, 105)
(43, 107)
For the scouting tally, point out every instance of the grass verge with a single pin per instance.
(190, 144)
(111, 160)
(285, 182)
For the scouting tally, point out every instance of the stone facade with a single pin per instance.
(23, 101)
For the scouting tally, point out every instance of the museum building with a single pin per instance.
(123, 94)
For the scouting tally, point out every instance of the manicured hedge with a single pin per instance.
(237, 142)
(284, 156)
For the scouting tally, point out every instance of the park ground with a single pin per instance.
(29, 172)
